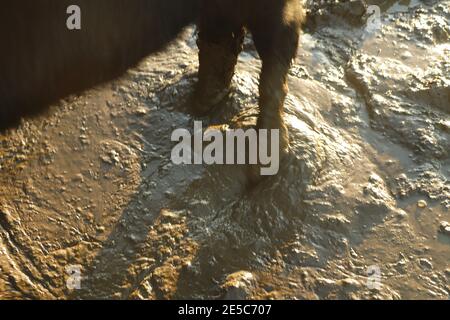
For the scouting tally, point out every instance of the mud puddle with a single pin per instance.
(358, 209)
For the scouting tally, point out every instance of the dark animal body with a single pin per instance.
(41, 60)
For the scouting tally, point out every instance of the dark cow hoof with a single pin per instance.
(254, 177)
(203, 102)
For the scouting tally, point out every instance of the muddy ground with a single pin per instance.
(360, 209)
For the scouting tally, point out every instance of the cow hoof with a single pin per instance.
(254, 177)
(253, 173)
(202, 103)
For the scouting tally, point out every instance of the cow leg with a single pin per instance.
(220, 42)
(276, 39)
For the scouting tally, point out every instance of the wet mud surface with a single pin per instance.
(365, 186)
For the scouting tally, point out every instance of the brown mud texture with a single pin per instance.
(91, 206)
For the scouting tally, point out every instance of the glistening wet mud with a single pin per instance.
(365, 184)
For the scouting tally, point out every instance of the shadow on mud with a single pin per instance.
(190, 226)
